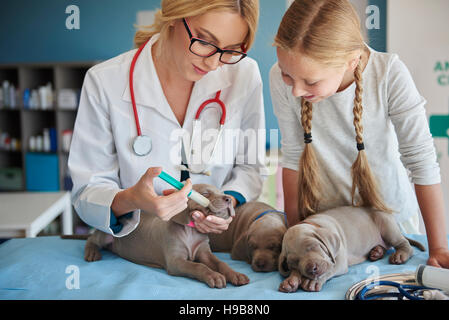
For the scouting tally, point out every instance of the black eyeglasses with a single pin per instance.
(205, 49)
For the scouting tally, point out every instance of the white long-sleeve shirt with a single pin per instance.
(396, 135)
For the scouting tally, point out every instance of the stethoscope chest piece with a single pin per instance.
(142, 145)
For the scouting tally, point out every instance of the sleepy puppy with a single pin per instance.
(172, 245)
(254, 235)
(324, 245)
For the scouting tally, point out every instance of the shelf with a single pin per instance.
(47, 169)
(22, 123)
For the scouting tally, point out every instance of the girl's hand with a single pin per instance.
(210, 224)
(439, 258)
(145, 198)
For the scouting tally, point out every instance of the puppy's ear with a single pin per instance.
(283, 265)
(183, 217)
(331, 240)
(231, 211)
(240, 250)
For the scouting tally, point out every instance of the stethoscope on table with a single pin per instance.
(404, 291)
(425, 283)
(142, 144)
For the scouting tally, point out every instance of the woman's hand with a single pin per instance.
(143, 196)
(210, 224)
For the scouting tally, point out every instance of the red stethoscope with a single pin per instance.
(142, 144)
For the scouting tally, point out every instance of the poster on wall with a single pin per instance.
(418, 31)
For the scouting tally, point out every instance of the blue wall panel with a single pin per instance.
(35, 31)
(378, 37)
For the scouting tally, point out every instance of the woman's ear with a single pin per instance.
(354, 60)
(352, 64)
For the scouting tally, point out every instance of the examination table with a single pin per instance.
(53, 268)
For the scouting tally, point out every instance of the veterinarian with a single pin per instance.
(354, 121)
(123, 136)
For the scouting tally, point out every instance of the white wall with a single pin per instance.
(419, 32)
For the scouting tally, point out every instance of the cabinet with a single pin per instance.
(19, 123)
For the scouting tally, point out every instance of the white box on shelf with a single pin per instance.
(68, 99)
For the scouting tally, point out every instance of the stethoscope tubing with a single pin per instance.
(198, 112)
(131, 87)
(402, 291)
(214, 100)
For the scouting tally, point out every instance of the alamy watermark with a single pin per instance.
(234, 147)
(73, 19)
(372, 17)
(73, 280)
(374, 273)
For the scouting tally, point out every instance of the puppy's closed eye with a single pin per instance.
(274, 247)
(311, 247)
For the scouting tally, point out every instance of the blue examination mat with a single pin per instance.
(53, 268)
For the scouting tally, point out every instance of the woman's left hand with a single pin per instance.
(210, 224)
(439, 258)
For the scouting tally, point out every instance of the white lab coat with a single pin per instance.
(102, 161)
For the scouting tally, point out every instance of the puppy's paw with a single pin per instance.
(238, 279)
(290, 284)
(311, 285)
(399, 257)
(215, 280)
(376, 253)
(92, 253)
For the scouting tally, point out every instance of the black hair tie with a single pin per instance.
(308, 137)
(360, 146)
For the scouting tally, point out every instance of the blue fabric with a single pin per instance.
(115, 225)
(273, 211)
(35, 268)
(237, 195)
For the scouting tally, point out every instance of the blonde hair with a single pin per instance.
(328, 31)
(172, 10)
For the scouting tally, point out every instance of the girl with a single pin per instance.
(369, 131)
(194, 50)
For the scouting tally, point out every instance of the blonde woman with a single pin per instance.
(355, 123)
(195, 51)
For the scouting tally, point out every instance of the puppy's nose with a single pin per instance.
(312, 268)
(260, 264)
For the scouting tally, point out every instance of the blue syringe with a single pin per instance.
(195, 196)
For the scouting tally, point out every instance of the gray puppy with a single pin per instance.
(172, 245)
(255, 236)
(324, 245)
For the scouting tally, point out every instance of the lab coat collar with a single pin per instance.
(148, 90)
